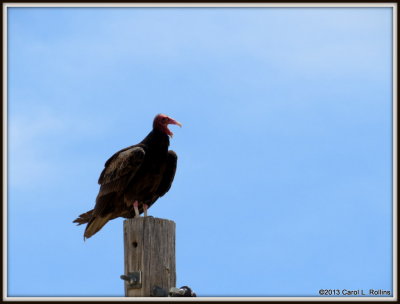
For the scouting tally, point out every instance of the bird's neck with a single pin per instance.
(157, 140)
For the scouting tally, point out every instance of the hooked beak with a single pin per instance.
(174, 122)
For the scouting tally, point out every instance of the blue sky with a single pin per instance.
(283, 184)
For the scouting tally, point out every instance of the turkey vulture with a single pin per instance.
(134, 178)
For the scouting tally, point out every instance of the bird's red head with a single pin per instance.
(161, 122)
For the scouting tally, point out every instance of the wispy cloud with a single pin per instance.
(38, 143)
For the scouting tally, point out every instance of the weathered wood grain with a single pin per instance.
(149, 247)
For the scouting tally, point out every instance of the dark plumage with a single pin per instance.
(134, 177)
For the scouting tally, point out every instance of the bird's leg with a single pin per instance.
(145, 207)
(136, 207)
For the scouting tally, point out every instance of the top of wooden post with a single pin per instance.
(149, 247)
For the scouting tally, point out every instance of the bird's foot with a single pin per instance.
(136, 208)
(145, 207)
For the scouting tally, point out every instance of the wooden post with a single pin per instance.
(149, 248)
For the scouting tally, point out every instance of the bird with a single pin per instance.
(134, 178)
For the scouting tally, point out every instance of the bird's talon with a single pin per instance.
(136, 208)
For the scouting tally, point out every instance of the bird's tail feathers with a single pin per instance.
(95, 224)
(84, 218)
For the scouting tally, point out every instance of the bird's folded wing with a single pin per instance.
(169, 174)
(120, 168)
